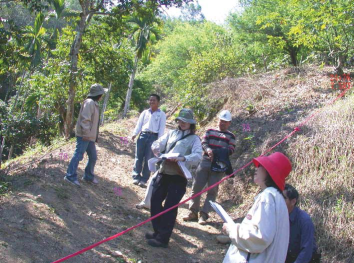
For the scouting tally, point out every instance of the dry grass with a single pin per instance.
(323, 170)
(322, 153)
(272, 104)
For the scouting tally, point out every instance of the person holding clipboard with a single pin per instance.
(263, 235)
(170, 185)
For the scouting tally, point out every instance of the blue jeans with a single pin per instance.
(143, 154)
(82, 147)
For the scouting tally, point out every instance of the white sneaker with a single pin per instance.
(136, 181)
(94, 181)
(223, 239)
(75, 182)
(142, 205)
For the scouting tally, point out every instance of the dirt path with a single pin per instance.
(44, 218)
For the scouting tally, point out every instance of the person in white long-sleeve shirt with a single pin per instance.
(263, 235)
(151, 126)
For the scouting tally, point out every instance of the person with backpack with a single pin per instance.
(170, 184)
(86, 136)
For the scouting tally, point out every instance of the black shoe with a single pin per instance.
(136, 181)
(150, 235)
(155, 243)
(142, 184)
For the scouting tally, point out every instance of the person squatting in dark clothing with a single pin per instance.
(302, 243)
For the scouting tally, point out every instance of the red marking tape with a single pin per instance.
(296, 129)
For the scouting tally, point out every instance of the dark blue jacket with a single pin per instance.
(302, 244)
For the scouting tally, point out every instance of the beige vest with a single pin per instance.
(183, 147)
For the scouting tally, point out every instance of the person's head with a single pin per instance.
(272, 170)
(263, 179)
(291, 197)
(186, 120)
(224, 120)
(96, 92)
(154, 101)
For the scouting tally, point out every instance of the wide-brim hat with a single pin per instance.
(186, 115)
(277, 165)
(96, 89)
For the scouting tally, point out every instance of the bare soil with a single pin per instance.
(44, 218)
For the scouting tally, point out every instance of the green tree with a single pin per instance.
(89, 9)
(144, 32)
(271, 23)
(326, 27)
(192, 12)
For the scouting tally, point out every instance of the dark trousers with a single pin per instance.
(171, 189)
(143, 153)
(316, 258)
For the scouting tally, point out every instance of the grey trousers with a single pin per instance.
(204, 175)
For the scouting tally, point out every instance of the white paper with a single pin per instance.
(184, 169)
(169, 155)
(152, 164)
(221, 212)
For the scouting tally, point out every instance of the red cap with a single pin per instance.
(277, 165)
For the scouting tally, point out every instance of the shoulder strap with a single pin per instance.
(248, 257)
(174, 144)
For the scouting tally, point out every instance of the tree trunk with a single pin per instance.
(340, 65)
(12, 108)
(293, 56)
(130, 87)
(21, 111)
(74, 53)
(1, 149)
(105, 102)
(265, 62)
(11, 152)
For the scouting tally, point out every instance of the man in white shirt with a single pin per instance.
(151, 126)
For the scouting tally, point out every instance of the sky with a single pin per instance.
(213, 10)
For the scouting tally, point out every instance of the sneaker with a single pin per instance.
(142, 205)
(136, 181)
(203, 217)
(74, 182)
(150, 235)
(223, 239)
(155, 243)
(142, 184)
(191, 216)
(94, 181)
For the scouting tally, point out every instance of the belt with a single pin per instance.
(150, 132)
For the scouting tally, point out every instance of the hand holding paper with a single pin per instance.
(221, 212)
(173, 157)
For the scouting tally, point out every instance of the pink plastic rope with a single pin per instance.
(296, 129)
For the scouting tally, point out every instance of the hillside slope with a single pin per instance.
(42, 218)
